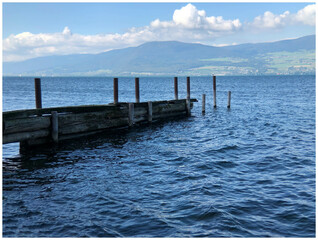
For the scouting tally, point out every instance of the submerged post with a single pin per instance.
(115, 90)
(137, 90)
(188, 87)
(38, 97)
(214, 91)
(55, 126)
(149, 111)
(229, 99)
(203, 103)
(176, 88)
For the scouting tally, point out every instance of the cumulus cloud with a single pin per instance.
(188, 24)
(269, 20)
(307, 15)
(189, 17)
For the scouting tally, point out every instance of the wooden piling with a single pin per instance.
(229, 99)
(203, 103)
(115, 90)
(188, 87)
(149, 111)
(214, 91)
(38, 97)
(55, 126)
(137, 90)
(176, 88)
(131, 114)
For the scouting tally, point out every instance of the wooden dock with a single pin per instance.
(51, 125)
(33, 127)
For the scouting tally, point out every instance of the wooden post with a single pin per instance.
(38, 97)
(203, 103)
(229, 99)
(131, 114)
(55, 126)
(176, 88)
(188, 87)
(214, 91)
(137, 90)
(188, 101)
(149, 111)
(115, 90)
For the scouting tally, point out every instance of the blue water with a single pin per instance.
(244, 172)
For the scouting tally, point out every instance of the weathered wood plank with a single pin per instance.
(69, 119)
(81, 125)
(80, 109)
(140, 118)
(169, 115)
(140, 110)
(166, 107)
(72, 109)
(23, 136)
(25, 124)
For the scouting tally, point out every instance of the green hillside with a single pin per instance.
(296, 56)
(299, 62)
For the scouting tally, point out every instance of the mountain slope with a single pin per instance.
(168, 58)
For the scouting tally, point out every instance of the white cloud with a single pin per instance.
(67, 31)
(188, 24)
(189, 17)
(269, 20)
(307, 15)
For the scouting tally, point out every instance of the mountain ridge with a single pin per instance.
(172, 57)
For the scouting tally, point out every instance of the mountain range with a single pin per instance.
(295, 56)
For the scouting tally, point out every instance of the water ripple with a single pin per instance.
(244, 172)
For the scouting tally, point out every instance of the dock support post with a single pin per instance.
(55, 126)
(38, 97)
(137, 90)
(115, 90)
(188, 87)
(176, 88)
(229, 99)
(131, 114)
(188, 101)
(214, 91)
(203, 103)
(149, 111)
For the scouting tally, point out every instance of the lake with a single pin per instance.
(244, 172)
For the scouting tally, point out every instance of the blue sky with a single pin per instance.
(40, 29)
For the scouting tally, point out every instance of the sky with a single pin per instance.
(41, 29)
